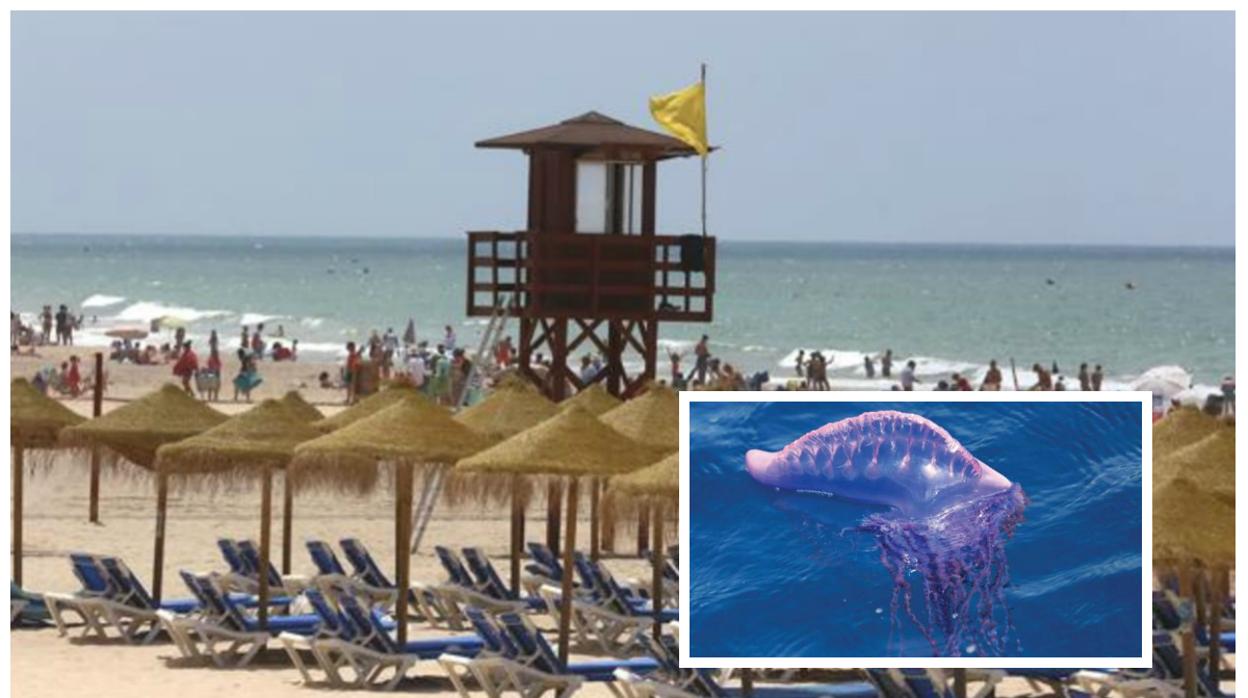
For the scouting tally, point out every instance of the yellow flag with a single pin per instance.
(683, 114)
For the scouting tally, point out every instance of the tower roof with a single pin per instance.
(595, 133)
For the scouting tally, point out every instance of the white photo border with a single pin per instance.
(1143, 661)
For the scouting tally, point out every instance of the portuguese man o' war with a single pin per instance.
(949, 519)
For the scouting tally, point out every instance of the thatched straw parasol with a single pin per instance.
(135, 430)
(1181, 427)
(301, 408)
(368, 406)
(1208, 463)
(409, 432)
(595, 400)
(249, 445)
(653, 418)
(513, 407)
(571, 444)
(35, 421)
(1192, 527)
(658, 485)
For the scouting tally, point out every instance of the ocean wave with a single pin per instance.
(100, 300)
(257, 318)
(146, 311)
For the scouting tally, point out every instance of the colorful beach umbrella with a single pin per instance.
(408, 433)
(35, 421)
(135, 431)
(569, 446)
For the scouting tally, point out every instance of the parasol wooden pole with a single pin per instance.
(1189, 638)
(18, 465)
(608, 527)
(158, 556)
(656, 556)
(565, 600)
(959, 683)
(517, 533)
(1215, 625)
(595, 492)
(643, 530)
(403, 485)
(747, 682)
(266, 519)
(97, 408)
(288, 511)
(554, 495)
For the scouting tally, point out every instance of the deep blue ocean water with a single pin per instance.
(776, 574)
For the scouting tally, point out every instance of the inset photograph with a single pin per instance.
(974, 528)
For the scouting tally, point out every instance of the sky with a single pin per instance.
(1052, 128)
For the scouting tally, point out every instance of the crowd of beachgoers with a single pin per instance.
(450, 373)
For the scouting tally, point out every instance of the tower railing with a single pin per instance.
(663, 277)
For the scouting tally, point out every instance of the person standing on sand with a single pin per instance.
(1044, 379)
(886, 364)
(186, 366)
(73, 377)
(1098, 377)
(212, 379)
(257, 342)
(1228, 395)
(213, 343)
(62, 321)
(448, 341)
(800, 363)
(349, 369)
(45, 319)
(244, 342)
(992, 379)
(416, 370)
(678, 378)
(907, 376)
(702, 356)
(248, 377)
(868, 365)
(1085, 380)
(961, 383)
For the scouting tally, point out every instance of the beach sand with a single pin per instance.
(56, 503)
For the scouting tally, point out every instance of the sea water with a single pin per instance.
(777, 573)
(950, 307)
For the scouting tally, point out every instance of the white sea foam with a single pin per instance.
(100, 300)
(257, 318)
(146, 311)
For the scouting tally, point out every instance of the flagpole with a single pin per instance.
(703, 80)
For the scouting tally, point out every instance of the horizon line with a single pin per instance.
(297, 236)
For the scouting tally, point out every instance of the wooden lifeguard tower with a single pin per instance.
(590, 273)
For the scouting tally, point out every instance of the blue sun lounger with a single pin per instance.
(427, 602)
(528, 665)
(228, 634)
(490, 583)
(465, 590)
(371, 653)
(671, 681)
